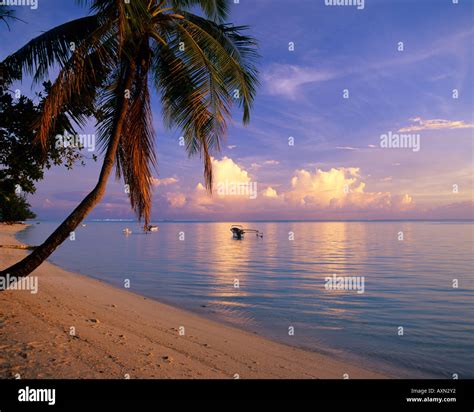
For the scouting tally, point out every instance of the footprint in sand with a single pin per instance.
(167, 359)
(95, 322)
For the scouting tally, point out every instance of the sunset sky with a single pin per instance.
(336, 168)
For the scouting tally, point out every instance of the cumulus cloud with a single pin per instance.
(321, 191)
(226, 171)
(164, 182)
(270, 192)
(339, 188)
(232, 187)
(420, 124)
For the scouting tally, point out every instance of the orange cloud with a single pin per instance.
(270, 192)
(339, 188)
(335, 189)
(435, 124)
(164, 182)
(226, 171)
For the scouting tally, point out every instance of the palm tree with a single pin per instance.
(110, 60)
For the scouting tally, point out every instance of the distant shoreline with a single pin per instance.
(79, 327)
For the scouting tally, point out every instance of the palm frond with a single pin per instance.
(236, 56)
(182, 100)
(197, 83)
(216, 10)
(81, 77)
(53, 47)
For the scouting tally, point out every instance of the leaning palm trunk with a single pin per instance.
(42, 252)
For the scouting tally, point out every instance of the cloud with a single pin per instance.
(226, 170)
(317, 193)
(164, 182)
(435, 124)
(257, 166)
(270, 192)
(175, 200)
(227, 176)
(459, 210)
(357, 149)
(340, 188)
(321, 191)
(286, 79)
(338, 192)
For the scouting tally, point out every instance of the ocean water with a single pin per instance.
(282, 283)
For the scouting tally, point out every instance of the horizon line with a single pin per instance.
(255, 220)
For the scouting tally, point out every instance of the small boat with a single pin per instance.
(238, 232)
(84, 225)
(126, 231)
(151, 228)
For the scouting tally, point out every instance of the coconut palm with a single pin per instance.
(110, 60)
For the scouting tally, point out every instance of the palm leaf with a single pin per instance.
(53, 47)
(197, 83)
(216, 10)
(81, 77)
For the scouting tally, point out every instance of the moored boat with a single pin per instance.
(238, 232)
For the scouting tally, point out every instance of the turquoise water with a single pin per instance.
(407, 283)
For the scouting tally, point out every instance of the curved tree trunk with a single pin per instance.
(42, 252)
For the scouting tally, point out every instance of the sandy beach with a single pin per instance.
(79, 327)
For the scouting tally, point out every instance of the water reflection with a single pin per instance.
(282, 282)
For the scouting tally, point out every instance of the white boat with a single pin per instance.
(126, 231)
(152, 228)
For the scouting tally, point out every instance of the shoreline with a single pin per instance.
(76, 326)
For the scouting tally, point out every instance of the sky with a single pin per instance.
(337, 85)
